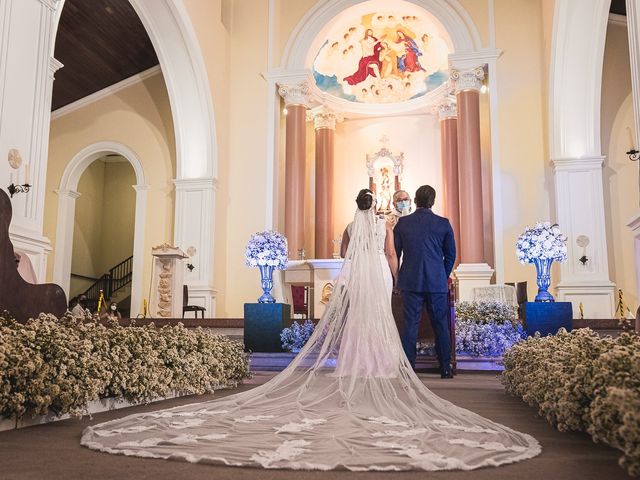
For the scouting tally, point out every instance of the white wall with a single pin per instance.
(417, 136)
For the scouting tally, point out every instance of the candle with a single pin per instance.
(27, 168)
(631, 142)
(12, 178)
(144, 308)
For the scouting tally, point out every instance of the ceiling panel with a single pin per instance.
(100, 42)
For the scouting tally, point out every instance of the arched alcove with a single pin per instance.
(67, 193)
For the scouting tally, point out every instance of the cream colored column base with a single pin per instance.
(470, 276)
(598, 299)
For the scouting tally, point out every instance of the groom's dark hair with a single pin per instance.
(425, 196)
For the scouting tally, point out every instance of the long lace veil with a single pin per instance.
(349, 399)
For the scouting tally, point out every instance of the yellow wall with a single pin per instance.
(620, 174)
(233, 37)
(87, 233)
(525, 172)
(139, 117)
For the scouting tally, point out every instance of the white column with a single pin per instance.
(194, 227)
(139, 255)
(580, 211)
(27, 70)
(633, 27)
(64, 238)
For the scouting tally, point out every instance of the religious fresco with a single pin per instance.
(382, 57)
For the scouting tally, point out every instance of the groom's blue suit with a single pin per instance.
(426, 244)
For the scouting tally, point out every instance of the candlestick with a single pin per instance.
(631, 142)
(27, 168)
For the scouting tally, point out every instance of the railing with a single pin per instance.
(118, 277)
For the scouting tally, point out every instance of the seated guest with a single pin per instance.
(112, 313)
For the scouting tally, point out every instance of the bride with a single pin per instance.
(348, 400)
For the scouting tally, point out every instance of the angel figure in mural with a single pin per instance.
(409, 61)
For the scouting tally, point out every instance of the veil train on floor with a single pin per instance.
(348, 400)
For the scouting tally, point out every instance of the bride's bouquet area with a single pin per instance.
(582, 382)
(57, 366)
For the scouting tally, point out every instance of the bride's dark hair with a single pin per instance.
(364, 199)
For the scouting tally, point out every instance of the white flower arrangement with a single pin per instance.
(58, 366)
(580, 381)
(544, 241)
(267, 248)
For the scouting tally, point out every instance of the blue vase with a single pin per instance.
(266, 280)
(543, 278)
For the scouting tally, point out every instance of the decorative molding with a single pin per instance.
(105, 92)
(447, 109)
(634, 224)
(54, 66)
(67, 193)
(196, 183)
(474, 59)
(295, 94)
(617, 19)
(467, 79)
(470, 276)
(578, 164)
(50, 4)
(323, 117)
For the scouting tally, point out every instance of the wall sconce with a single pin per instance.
(13, 189)
(633, 154)
(15, 161)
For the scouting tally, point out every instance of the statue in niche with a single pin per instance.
(381, 167)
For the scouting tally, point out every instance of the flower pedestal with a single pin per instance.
(547, 317)
(263, 323)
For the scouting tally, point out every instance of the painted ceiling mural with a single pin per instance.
(382, 57)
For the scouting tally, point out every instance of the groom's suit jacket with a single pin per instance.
(428, 249)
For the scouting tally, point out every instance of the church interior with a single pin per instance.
(147, 141)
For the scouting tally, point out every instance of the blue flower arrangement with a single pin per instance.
(543, 241)
(267, 248)
(295, 337)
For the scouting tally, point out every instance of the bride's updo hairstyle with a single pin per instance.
(364, 199)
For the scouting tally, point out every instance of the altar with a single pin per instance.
(318, 275)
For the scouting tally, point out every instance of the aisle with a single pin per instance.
(53, 451)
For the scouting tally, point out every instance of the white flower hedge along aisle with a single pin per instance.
(580, 381)
(58, 366)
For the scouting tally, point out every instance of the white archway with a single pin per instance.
(169, 27)
(67, 195)
(575, 84)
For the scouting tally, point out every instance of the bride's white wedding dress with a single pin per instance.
(348, 400)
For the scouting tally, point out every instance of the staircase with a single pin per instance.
(115, 285)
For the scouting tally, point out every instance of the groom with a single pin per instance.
(428, 249)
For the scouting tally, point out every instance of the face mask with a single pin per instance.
(404, 207)
(113, 307)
